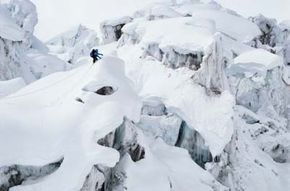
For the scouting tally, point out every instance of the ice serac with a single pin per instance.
(272, 34)
(212, 73)
(112, 29)
(17, 21)
(170, 48)
(256, 73)
(74, 44)
(159, 122)
(127, 139)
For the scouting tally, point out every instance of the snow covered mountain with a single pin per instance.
(188, 96)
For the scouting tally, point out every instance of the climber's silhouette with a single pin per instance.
(95, 55)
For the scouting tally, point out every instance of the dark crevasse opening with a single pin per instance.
(159, 122)
(125, 140)
(175, 59)
(118, 31)
(106, 90)
(112, 29)
(195, 144)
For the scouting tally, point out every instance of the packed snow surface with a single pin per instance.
(11, 86)
(195, 34)
(257, 61)
(261, 57)
(56, 126)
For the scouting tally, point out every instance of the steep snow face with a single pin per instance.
(72, 45)
(256, 74)
(169, 47)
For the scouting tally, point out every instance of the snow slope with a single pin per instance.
(70, 136)
(11, 86)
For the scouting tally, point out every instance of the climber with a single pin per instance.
(95, 55)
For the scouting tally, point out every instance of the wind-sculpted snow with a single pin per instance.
(59, 127)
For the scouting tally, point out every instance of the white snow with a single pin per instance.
(259, 56)
(57, 126)
(256, 61)
(210, 116)
(167, 33)
(244, 31)
(167, 168)
(11, 86)
(275, 9)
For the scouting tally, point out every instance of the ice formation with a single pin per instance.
(189, 96)
(74, 44)
(19, 49)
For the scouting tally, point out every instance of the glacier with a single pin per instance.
(189, 96)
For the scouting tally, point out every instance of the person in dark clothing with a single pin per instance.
(95, 55)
